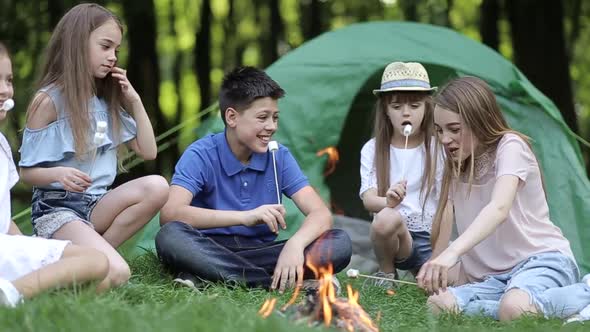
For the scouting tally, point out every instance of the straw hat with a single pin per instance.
(404, 76)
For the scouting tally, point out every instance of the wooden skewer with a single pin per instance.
(354, 273)
(389, 279)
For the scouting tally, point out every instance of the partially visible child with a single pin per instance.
(222, 218)
(398, 185)
(81, 84)
(515, 259)
(30, 265)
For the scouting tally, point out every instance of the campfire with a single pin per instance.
(322, 306)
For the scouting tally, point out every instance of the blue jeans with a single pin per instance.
(183, 248)
(51, 209)
(421, 252)
(548, 278)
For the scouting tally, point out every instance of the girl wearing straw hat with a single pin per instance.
(397, 175)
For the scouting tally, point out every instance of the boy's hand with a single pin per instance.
(396, 193)
(73, 179)
(129, 94)
(271, 214)
(289, 269)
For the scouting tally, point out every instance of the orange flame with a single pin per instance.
(333, 158)
(267, 307)
(293, 298)
(326, 291)
(328, 302)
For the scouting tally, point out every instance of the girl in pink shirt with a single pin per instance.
(513, 259)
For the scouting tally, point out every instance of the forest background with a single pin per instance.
(177, 51)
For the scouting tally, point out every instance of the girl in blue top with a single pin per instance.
(31, 265)
(81, 85)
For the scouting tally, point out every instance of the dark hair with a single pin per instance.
(243, 85)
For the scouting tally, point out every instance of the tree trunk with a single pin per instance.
(142, 68)
(202, 56)
(270, 39)
(540, 52)
(311, 18)
(488, 23)
(410, 10)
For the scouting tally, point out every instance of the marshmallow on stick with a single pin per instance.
(7, 105)
(407, 132)
(273, 147)
(99, 136)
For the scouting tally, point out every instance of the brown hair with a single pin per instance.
(383, 132)
(4, 50)
(66, 66)
(478, 109)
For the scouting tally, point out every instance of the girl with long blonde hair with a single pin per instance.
(82, 86)
(31, 265)
(513, 259)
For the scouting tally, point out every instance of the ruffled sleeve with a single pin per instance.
(48, 144)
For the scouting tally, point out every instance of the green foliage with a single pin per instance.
(239, 31)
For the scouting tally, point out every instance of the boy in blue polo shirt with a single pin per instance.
(222, 214)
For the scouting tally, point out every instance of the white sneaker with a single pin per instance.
(581, 317)
(9, 295)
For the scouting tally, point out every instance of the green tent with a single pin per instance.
(329, 103)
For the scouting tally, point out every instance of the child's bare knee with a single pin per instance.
(442, 302)
(157, 187)
(118, 274)
(386, 223)
(514, 304)
(99, 264)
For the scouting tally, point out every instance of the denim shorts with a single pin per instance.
(51, 209)
(535, 275)
(421, 252)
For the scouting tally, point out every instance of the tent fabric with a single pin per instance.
(326, 76)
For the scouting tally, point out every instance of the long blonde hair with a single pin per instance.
(383, 133)
(66, 66)
(476, 104)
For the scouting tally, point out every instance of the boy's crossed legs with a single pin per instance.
(183, 248)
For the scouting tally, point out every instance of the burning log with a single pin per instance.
(322, 305)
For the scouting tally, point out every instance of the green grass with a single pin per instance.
(150, 302)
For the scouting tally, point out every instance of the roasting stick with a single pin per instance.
(353, 273)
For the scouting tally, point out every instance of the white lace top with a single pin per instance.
(412, 161)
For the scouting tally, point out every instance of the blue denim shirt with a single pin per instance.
(53, 145)
(219, 181)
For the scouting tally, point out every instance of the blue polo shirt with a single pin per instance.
(216, 178)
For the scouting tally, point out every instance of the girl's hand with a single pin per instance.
(396, 193)
(73, 179)
(433, 275)
(131, 96)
